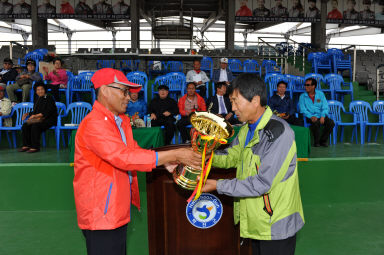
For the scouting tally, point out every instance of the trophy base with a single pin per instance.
(186, 177)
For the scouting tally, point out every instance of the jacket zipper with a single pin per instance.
(267, 204)
(109, 195)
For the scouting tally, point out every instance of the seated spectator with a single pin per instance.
(314, 107)
(198, 77)
(43, 116)
(163, 110)
(136, 107)
(8, 73)
(58, 78)
(220, 103)
(223, 74)
(189, 103)
(5, 108)
(24, 82)
(282, 105)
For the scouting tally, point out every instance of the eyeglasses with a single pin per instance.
(125, 91)
(307, 85)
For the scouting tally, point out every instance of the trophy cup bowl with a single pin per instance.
(208, 130)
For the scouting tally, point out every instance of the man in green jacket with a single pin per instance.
(266, 188)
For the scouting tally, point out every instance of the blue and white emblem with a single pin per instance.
(205, 212)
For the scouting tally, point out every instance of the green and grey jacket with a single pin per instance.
(266, 189)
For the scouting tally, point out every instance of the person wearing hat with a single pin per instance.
(198, 77)
(5, 108)
(335, 13)
(313, 11)
(220, 103)
(366, 13)
(8, 73)
(279, 10)
(223, 74)
(137, 106)
(43, 116)
(350, 12)
(24, 82)
(163, 110)
(107, 159)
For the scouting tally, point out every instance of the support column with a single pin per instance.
(135, 25)
(230, 25)
(69, 35)
(39, 28)
(318, 30)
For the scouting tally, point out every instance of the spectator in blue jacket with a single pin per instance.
(136, 105)
(314, 107)
(223, 74)
(283, 106)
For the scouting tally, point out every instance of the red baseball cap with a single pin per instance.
(107, 76)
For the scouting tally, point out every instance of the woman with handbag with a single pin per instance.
(43, 116)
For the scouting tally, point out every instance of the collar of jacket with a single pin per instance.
(263, 122)
(101, 108)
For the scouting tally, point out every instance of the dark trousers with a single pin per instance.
(31, 134)
(169, 125)
(202, 91)
(54, 91)
(274, 247)
(294, 121)
(106, 242)
(327, 130)
(182, 127)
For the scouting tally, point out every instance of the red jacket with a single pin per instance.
(101, 185)
(200, 104)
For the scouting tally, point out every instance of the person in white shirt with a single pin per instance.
(198, 77)
(5, 108)
(223, 74)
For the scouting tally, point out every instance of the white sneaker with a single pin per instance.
(13, 104)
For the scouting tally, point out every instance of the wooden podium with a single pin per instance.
(170, 232)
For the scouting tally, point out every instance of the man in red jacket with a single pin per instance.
(106, 161)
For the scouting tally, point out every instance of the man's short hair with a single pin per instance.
(8, 60)
(282, 82)
(313, 81)
(191, 83)
(196, 60)
(250, 85)
(220, 84)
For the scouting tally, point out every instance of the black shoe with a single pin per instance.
(316, 145)
(324, 145)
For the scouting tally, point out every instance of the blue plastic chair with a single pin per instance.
(207, 66)
(18, 110)
(360, 116)
(174, 66)
(176, 84)
(61, 110)
(335, 108)
(377, 108)
(77, 111)
(105, 63)
(127, 66)
(251, 66)
(270, 66)
(156, 71)
(235, 66)
(320, 61)
(272, 80)
(80, 84)
(336, 83)
(139, 78)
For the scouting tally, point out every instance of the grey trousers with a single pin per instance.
(26, 89)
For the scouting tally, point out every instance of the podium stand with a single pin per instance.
(169, 231)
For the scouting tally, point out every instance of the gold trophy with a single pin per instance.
(208, 133)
